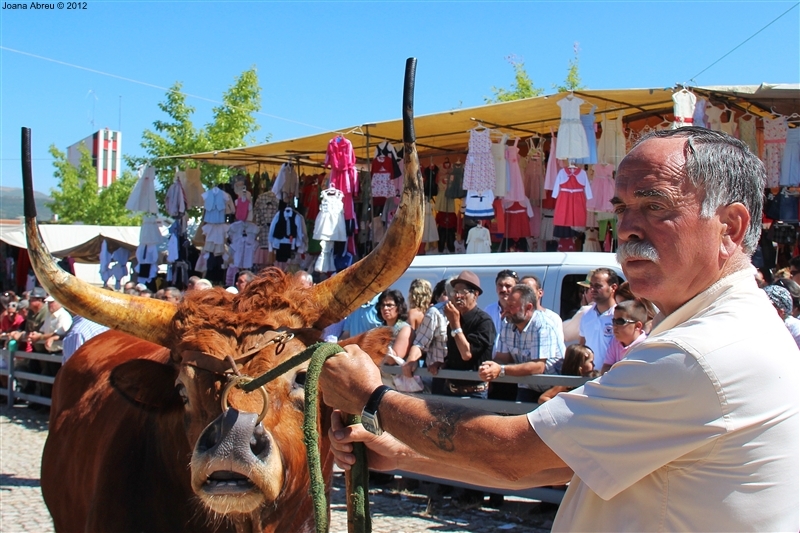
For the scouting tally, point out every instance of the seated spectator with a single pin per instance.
(11, 319)
(202, 285)
(431, 338)
(172, 294)
(81, 331)
(419, 299)
(578, 361)
(56, 324)
(362, 319)
(781, 299)
(528, 344)
(393, 312)
(243, 279)
(628, 326)
(794, 289)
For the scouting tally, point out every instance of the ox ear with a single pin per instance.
(375, 342)
(147, 384)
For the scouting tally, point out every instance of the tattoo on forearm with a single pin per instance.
(442, 429)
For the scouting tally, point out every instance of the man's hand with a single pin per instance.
(433, 368)
(348, 379)
(48, 344)
(453, 315)
(382, 451)
(489, 370)
(34, 336)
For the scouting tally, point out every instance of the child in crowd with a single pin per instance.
(578, 361)
(630, 317)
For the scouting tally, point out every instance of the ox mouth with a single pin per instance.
(227, 482)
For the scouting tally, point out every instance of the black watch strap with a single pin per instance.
(375, 399)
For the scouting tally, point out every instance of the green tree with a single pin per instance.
(232, 126)
(523, 85)
(79, 199)
(573, 80)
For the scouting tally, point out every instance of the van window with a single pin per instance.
(571, 295)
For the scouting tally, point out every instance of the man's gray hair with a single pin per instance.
(526, 294)
(726, 171)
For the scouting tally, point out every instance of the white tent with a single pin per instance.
(60, 237)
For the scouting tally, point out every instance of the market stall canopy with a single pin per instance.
(89, 251)
(448, 132)
(65, 237)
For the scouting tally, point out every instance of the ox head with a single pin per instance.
(243, 458)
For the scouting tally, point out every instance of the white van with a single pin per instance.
(559, 273)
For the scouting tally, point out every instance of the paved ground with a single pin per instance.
(23, 432)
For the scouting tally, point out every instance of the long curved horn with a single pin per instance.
(341, 294)
(145, 318)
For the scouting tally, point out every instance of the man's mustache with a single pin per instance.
(636, 250)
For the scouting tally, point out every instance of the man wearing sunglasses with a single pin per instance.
(697, 429)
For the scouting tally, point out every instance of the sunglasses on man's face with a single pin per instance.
(622, 321)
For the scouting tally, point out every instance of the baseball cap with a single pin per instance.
(12, 305)
(24, 304)
(38, 292)
(49, 299)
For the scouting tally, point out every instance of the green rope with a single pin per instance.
(358, 489)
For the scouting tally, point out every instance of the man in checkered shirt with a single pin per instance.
(431, 337)
(528, 344)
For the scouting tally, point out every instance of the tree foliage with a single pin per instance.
(573, 80)
(232, 126)
(523, 86)
(79, 199)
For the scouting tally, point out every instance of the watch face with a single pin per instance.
(370, 423)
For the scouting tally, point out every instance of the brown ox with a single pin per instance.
(138, 437)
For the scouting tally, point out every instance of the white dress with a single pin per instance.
(683, 108)
(330, 224)
(572, 143)
(479, 241)
(143, 195)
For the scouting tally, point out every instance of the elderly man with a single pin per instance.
(528, 344)
(695, 430)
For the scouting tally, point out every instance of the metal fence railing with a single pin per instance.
(8, 370)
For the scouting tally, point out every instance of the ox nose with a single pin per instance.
(232, 434)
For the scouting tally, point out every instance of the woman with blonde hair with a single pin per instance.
(420, 294)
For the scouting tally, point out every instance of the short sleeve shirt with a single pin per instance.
(598, 331)
(537, 341)
(697, 429)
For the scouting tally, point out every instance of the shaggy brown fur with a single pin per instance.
(224, 323)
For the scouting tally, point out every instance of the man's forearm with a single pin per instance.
(505, 448)
(529, 368)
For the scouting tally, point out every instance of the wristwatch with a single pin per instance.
(369, 415)
(455, 332)
(502, 371)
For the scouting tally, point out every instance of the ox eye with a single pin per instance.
(183, 394)
(300, 378)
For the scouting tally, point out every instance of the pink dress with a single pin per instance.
(571, 191)
(602, 189)
(534, 174)
(342, 161)
(479, 174)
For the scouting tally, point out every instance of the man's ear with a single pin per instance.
(735, 220)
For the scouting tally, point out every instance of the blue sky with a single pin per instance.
(327, 65)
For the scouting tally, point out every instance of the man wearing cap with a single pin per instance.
(11, 319)
(781, 300)
(56, 324)
(36, 315)
(471, 335)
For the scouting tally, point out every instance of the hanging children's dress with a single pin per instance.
(572, 143)
(775, 131)
(683, 108)
(479, 173)
(747, 132)
(571, 191)
(714, 117)
(342, 161)
(143, 195)
(592, 242)
(602, 190)
(590, 128)
(382, 176)
(479, 241)
(479, 204)
(534, 171)
(699, 116)
(611, 146)
(790, 163)
(193, 187)
(329, 224)
(500, 169)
